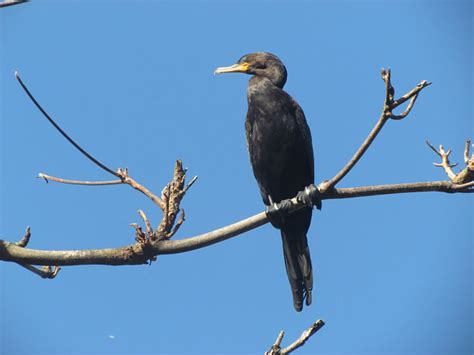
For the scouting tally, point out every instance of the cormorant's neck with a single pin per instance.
(276, 75)
(258, 81)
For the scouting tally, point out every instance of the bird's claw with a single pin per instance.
(310, 196)
(276, 212)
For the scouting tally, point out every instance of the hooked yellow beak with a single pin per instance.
(236, 68)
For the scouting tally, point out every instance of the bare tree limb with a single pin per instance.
(466, 175)
(140, 253)
(277, 350)
(387, 113)
(153, 243)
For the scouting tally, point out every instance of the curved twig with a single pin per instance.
(63, 133)
(7, 3)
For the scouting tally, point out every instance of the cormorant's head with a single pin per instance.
(259, 64)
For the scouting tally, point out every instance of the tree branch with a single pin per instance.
(277, 350)
(60, 130)
(141, 253)
(151, 243)
(466, 175)
(387, 113)
(7, 3)
(48, 178)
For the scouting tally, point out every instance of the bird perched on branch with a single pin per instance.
(281, 154)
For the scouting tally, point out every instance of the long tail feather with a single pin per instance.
(298, 267)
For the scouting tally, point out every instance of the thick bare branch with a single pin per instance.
(140, 253)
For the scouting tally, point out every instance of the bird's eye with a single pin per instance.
(260, 66)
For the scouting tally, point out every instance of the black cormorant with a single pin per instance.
(281, 154)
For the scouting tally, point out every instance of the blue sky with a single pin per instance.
(133, 83)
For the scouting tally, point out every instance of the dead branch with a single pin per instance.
(277, 350)
(387, 113)
(140, 253)
(466, 175)
(46, 272)
(122, 174)
(48, 178)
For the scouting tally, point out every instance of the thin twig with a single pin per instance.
(466, 151)
(49, 178)
(358, 154)
(26, 238)
(46, 272)
(445, 163)
(193, 180)
(414, 92)
(122, 174)
(139, 187)
(149, 230)
(126, 179)
(7, 3)
(275, 349)
(63, 133)
(178, 224)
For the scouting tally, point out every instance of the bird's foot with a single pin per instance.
(310, 196)
(276, 212)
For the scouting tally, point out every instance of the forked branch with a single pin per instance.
(276, 348)
(122, 174)
(387, 113)
(46, 272)
(466, 175)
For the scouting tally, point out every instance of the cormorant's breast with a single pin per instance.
(278, 149)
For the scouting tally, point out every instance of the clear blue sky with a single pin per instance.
(133, 83)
